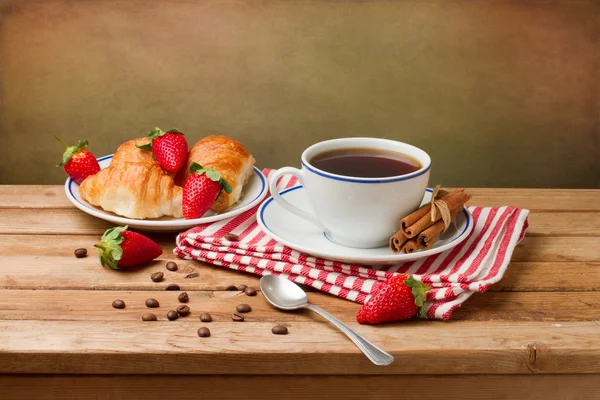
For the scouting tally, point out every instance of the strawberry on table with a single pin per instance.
(200, 191)
(170, 149)
(78, 162)
(121, 248)
(400, 298)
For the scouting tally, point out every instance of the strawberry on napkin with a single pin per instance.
(452, 276)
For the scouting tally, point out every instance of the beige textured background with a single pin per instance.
(500, 93)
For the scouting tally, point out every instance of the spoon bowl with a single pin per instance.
(283, 293)
(286, 295)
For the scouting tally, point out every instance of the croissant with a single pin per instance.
(226, 156)
(133, 185)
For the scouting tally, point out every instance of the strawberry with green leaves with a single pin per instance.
(121, 248)
(78, 162)
(200, 191)
(399, 298)
(170, 149)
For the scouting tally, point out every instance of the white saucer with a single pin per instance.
(301, 235)
(253, 193)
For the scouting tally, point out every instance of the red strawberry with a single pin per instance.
(121, 248)
(200, 191)
(78, 162)
(398, 299)
(169, 148)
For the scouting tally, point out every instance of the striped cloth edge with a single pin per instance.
(454, 275)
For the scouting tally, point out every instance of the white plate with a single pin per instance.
(301, 235)
(253, 193)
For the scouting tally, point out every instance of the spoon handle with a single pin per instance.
(374, 353)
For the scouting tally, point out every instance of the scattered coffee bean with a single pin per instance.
(203, 332)
(172, 315)
(243, 308)
(171, 266)
(241, 288)
(231, 288)
(183, 297)
(149, 317)
(152, 303)
(237, 317)
(279, 330)
(118, 304)
(232, 237)
(157, 277)
(183, 310)
(193, 275)
(205, 317)
(172, 286)
(250, 291)
(80, 253)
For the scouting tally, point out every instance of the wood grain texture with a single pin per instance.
(163, 347)
(119, 387)
(72, 221)
(95, 305)
(53, 196)
(531, 249)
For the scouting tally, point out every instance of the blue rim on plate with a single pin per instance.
(366, 258)
(164, 223)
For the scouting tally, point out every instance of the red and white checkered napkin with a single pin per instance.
(454, 275)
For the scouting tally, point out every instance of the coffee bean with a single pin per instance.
(172, 286)
(231, 288)
(250, 291)
(118, 304)
(183, 297)
(157, 277)
(192, 275)
(206, 317)
(241, 288)
(203, 332)
(237, 317)
(243, 308)
(149, 317)
(80, 253)
(183, 310)
(279, 330)
(232, 237)
(172, 315)
(171, 266)
(152, 303)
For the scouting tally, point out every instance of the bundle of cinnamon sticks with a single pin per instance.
(423, 227)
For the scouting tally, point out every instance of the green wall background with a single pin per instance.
(500, 93)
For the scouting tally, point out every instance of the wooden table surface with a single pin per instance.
(535, 334)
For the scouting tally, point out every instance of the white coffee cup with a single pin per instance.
(354, 211)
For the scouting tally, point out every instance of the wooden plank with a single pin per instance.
(461, 347)
(68, 272)
(75, 222)
(481, 387)
(531, 249)
(53, 196)
(95, 305)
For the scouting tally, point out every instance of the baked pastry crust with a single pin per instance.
(134, 185)
(226, 156)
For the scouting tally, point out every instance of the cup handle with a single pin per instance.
(284, 203)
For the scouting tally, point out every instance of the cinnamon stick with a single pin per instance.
(452, 199)
(397, 242)
(429, 236)
(420, 212)
(410, 246)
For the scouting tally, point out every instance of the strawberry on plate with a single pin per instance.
(399, 298)
(121, 248)
(200, 191)
(78, 162)
(170, 149)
